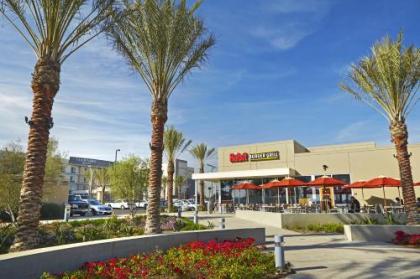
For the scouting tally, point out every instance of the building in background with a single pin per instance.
(79, 173)
(262, 162)
(186, 191)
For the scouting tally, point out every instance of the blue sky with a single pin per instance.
(273, 75)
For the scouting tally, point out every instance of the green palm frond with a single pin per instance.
(163, 41)
(174, 142)
(388, 80)
(202, 152)
(55, 29)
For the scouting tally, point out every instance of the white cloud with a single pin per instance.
(299, 6)
(283, 37)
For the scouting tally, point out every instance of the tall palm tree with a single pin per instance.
(388, 81)
(201, 152)
(54, 30)
(174, 143)
(179, 182)
(163, 41)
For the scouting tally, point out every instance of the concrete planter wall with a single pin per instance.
(377, 233)
(32, 263)
(284, 220)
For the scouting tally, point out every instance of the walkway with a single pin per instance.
(331, 256)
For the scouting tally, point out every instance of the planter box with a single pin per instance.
(377, 233)
(57, 259)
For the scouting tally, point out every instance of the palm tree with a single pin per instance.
(174, 143)
(179, 182)
(162, 41)
(201, 152)
(164, 184)
(54, 30)
(388, 81)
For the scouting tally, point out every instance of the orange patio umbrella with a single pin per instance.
(325, 181)
(246, 186)
(383, 181)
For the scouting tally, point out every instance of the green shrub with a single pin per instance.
(7, 235)
(321, 228)
(52, 211)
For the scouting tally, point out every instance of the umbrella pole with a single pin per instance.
(399, 194)
(383, 189)
(247, 197)
(287, 195)
(263, 196)
(278, 195)
(363, 196)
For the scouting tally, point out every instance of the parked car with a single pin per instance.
(77, 205)
(184, 205)
(121, 204)
(97, 208)
(141, 204)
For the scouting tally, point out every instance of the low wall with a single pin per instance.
(284, 220)
(31, 264)
(376, 233)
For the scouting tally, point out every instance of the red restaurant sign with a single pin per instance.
(245, 157)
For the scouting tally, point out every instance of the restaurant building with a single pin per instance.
(262, 162)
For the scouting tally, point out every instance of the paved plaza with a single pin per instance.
(331, 256)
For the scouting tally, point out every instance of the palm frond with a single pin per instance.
(56, 29)
(388, 80)
(202, 152)
(175, 143)
(162, 41)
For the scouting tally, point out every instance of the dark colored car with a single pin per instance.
(78, 206)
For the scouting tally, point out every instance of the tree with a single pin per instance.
(174, 143)
(54, 30)
(163, 40)
(179, 182)
(128, 179)
(164, 184)
(12, 159)
(388, 81)
(101, 179)
(201, 153)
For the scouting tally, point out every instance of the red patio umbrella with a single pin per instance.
(383, 181)
(417, 184)
(325, 181)
(358, 185)
(286, 182)
(246, 186)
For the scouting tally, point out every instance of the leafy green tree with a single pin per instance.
(12, 159)
(175, 143)
(128, 179)
(163, 40)
(201, 152)
(388, 81)
(54, 30)
(101, 179)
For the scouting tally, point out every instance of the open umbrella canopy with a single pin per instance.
(417, 184)
(355, 185)
(383, 181)
(245, 186)
(286, 182)
(326, 181)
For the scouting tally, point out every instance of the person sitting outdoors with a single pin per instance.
(399, 201)
(354, 205)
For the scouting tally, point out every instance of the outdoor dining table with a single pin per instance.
(269, 208)
(394, 208)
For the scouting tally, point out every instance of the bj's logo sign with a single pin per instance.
(238, 157)
(253, 157)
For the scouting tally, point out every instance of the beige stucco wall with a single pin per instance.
(361, 160)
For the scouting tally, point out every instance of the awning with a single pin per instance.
(261, 173)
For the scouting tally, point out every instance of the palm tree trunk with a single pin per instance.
(170, 186)
(45, 85)
(202, 203)
(399, 136)
(158, 118)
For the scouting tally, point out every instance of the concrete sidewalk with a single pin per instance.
(331, 256)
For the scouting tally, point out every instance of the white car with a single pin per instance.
(141, 204)
(97, 208)
(121, 204)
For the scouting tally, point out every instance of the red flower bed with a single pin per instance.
(402, 238)
(227, 259)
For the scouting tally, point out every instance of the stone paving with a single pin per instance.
(331, 256)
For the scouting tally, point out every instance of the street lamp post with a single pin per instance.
(116, 154)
